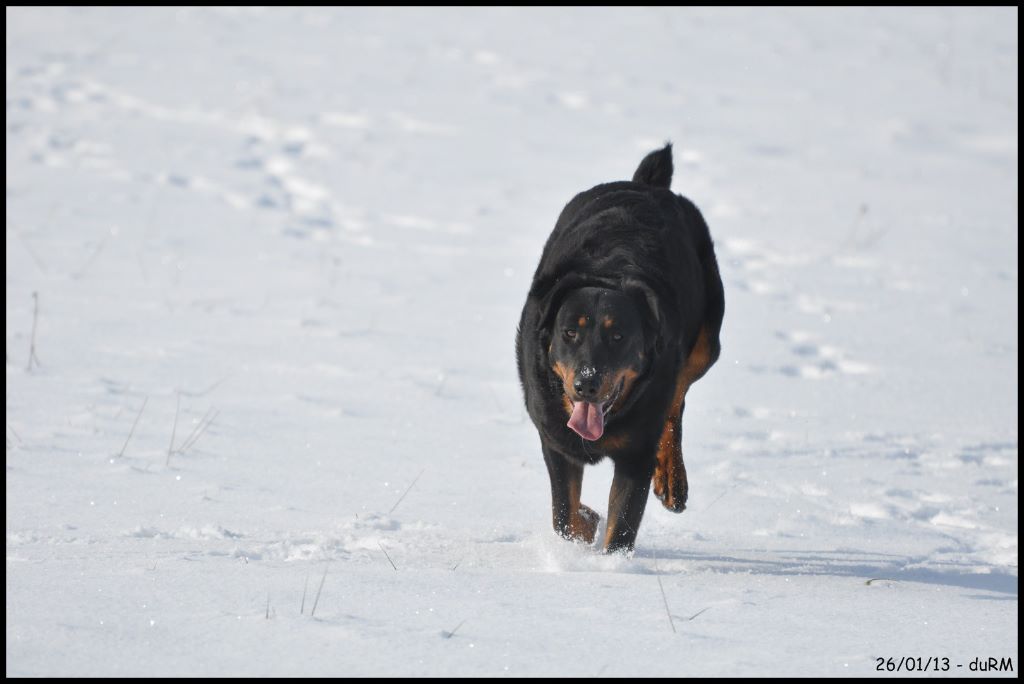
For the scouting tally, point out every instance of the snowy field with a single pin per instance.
(280, 256)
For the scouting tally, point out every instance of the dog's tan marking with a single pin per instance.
(608, 322)
(626, 377)
(614, 443)
(567, 404)
(583, 523)
(567, 375)
(564, 372)
(582, 322)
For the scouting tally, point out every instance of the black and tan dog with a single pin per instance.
(622, 317)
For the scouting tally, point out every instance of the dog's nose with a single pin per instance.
(586, 387)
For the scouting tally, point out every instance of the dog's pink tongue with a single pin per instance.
(587, 420)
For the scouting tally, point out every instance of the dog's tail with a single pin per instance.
(656, 168)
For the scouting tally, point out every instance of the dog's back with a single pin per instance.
(638, 230)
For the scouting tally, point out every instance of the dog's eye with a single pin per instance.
(617, 336)
(571, 334)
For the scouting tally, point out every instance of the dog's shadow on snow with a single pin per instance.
(865, 565)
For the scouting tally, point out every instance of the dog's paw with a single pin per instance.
(673, 502)
(672, 492)
(584, 524)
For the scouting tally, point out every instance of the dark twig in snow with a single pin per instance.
(174, 429)
(302, 608)
(697, 613)
(195, 429)
(121, 453)
(719, 498)
(195, 439)
(449, 635)
(16, 435)
(880, 579)
(406, 491)
(198, 431)
(664, 598)
(855, 239)
(388, 557)
(35, 319)
(268, 606)
(312, 613)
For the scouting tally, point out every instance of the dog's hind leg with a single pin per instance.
(669, 482)
(570, 518)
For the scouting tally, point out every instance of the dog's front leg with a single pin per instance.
(626, 503)
(569, 517)
(670, 484)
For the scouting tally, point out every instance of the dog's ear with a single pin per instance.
(551, 301)
(649, 304)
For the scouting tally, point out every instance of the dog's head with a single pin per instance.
(601, 343)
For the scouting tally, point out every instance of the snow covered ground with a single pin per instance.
(292, 246)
